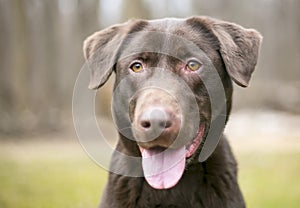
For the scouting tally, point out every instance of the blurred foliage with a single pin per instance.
(41, 52)
(41, 55)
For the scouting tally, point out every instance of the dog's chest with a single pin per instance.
(193, 190)
(184, 194)
(165, 198)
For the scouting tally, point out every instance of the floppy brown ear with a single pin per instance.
(100, 51)
(239, 48)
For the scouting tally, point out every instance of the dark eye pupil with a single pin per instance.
(136, 67)
(193, 64)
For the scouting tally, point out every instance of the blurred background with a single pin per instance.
(41, 161)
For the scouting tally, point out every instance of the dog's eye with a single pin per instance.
(193, 65)
(136, 66)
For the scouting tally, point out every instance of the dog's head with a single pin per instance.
(173, 85)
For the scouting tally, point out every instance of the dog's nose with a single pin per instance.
(155, 119)
(156, 126)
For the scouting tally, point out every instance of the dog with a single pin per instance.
(172, 99)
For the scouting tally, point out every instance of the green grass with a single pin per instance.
(270, 180)
(32, 177)
(59, 181)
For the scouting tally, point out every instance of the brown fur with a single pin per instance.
(233, 51)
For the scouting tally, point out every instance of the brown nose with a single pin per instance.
(155, 119)
(156, 126)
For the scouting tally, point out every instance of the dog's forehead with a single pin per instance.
(174, 26)
(175, 29)
(171, 36)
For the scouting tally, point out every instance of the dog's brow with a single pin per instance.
(144, 56)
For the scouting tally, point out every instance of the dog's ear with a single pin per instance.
(239, 48)
(100, 51)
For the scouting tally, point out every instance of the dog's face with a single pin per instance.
(167, 72)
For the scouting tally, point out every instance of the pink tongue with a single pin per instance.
(163, 170)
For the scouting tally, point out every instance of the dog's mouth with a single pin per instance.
(163, 167)
(194, 144)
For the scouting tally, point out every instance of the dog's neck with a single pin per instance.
(217, 175)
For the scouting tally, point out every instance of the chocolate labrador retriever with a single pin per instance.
(171, 101)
